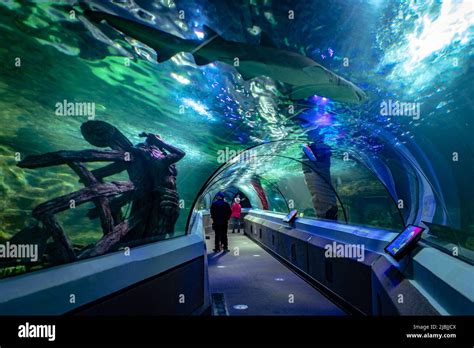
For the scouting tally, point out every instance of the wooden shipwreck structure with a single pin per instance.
(151, 190)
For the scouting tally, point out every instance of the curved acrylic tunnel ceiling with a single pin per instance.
(272, 176)
(390, 182)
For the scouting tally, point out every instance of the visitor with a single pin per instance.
(220, 214)
(235, 216)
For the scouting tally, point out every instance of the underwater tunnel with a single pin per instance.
(343, 135)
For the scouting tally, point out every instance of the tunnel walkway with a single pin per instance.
(249, 281)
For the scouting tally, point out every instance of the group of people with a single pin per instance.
(316, 165)
(221, 213)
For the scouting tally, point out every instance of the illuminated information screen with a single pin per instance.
(404, 242)
(291, 216)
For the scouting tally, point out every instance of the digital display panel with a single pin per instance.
(404, 242)
(291, 216)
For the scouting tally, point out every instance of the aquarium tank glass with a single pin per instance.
(401, 154)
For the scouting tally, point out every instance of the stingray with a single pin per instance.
(305, 77)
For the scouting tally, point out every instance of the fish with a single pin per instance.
(303, 75)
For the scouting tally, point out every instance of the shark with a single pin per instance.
(303, 75)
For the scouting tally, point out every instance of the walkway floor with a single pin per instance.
(253, 282)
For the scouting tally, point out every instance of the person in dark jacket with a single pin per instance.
(220, 214)
(316, 163)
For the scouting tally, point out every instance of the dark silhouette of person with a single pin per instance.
(220, 214)
(316, 169)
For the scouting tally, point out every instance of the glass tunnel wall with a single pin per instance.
(282, 172)
(388, 166)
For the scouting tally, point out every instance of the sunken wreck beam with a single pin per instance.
(102, 203)
(64, 248)
(65, 157)
(115, 204)
(81, 196)
(110, 169)
(108, 241)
